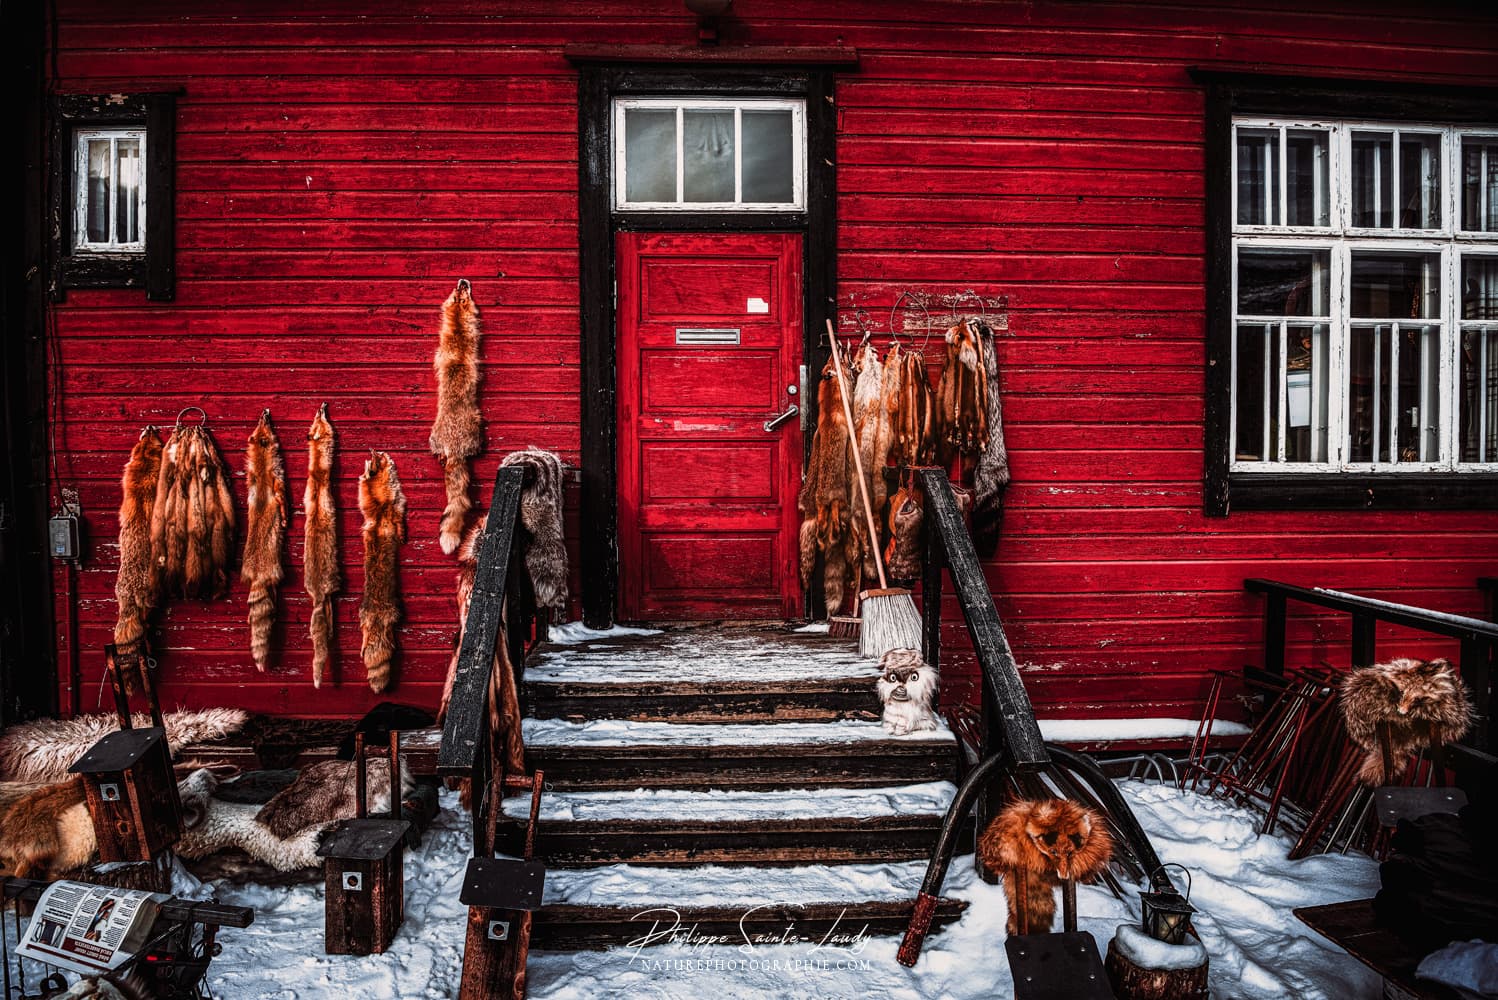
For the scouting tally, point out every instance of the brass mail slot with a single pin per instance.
(685, 335)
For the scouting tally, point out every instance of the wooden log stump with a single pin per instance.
(1130, 982)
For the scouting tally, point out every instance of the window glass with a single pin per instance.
(1258, 177)
(1480, 185)
(1307, 195)
(127, 200)
(1479, 287)
(1283, 282)
(1477, 418)
(769, 156)
(1396, 285)
(96, 205)
(1373, 180)
(1419, 181)
(707, 155)
(1306, 392)
(650, 151)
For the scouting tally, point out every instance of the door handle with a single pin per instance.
(776, 421)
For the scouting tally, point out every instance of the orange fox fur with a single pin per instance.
(135, 583)
(1417, 703)
(265, 534)
(384, 508)
(44, 830)
(457, 434)
(192, 517)
(1043, 842)
(829, 525)
(320, 555)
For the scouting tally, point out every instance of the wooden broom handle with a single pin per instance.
(863, 487)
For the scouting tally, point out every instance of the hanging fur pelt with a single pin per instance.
(384, 508)
(872, 421)
(912, 437)
(828, 525)
(192, 517)
(135, 582)
(1418, 703)
(320, 555)
(991, 479)
(457, 433)
(541, 516)
(1041, 842)
(962, 394)
(264, 534)
(902, 558)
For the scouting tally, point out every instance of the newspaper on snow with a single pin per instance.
(89, 928)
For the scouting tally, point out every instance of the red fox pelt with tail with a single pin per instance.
(1043, 841)
(457, 434)
(265, 534)
(829, 526)
(192, 517)
(384, 508)
(320, 556)
(135, 583)
(44, 830)
(1420, 703)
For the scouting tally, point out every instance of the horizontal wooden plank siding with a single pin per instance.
(341, 164)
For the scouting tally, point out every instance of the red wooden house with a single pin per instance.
(1243, 261)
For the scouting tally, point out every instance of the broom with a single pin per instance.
(890, 620)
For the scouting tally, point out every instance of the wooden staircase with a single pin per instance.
(703, 770)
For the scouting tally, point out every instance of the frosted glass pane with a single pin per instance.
(707, 151)
(649, 155)
(127, 204)
(1258, 177)
(768, 162)
(96, 211)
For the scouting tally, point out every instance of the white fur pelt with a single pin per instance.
(991, 478)
(213, 826)
(42, 751)
(907, 686)
(541, 516)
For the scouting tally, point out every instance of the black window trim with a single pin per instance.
(155, 268)
(1232, 92)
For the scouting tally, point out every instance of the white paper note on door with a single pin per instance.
(757, 305)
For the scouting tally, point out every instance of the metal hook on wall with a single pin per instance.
(907, 293)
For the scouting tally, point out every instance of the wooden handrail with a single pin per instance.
(1009, 719)
(463, 732)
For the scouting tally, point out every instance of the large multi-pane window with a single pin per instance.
(1365, 297)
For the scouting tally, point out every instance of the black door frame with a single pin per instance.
(598, 85)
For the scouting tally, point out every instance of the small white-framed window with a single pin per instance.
(709, 154)
(1365, 297)
(109, 190)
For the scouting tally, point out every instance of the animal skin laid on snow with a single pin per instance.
(1418, 703)
(457, 433)
(211, 826)
(383, 505)
(1042, 842)
(541, 516)
(265, 534)
(907, 686)
(320, 572)
(44, 830)
(135, 581)
(43, 750)
(327, 791)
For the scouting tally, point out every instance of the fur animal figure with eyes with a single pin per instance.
(1036, 843)
(907, 686)
(1419, 703)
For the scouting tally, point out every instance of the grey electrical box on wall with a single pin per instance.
(63, 536)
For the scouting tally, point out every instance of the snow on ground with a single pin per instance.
(573, 633)
(1091, 730)
(696, 655)
(719, 805)
(622, 732)
(1243, 887)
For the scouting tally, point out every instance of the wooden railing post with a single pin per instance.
(1363, 627)
(1274, 634)
(1476, 667)
(932, 566)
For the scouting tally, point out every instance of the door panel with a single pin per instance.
(709, 349)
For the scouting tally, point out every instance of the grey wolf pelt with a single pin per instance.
(135, 582)
(325, 791)
(265, 534)
(991, 477)
(1043, 841)
(907, 686)
(829, 526)
(457, 433)
(384, 507)
(541, 516)
(1420, 703)
(44, 830)
(320, 556)
(43, 750)
(212, 826)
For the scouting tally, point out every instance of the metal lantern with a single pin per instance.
(1167, 914)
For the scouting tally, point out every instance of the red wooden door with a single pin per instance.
(709, 350)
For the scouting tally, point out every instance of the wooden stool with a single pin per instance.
(364, 869)
(501, 894)
(1055, 966)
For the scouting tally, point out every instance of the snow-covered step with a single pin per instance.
(786, 826)
(622, 754)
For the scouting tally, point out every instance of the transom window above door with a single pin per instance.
(689, 154)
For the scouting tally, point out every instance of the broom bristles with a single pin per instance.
(890, 621)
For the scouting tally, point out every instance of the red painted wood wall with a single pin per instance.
(340, 164)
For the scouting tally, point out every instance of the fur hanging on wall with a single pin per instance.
(265, 534)
(1418, 703)
(192, 517)
(457, 433)
(829, 527)
(913, 434)
(902, 557)
(320, 571)
(1041, 842)
(135, 582)
(872, 420)
(504, 704)
(991, 478)
(541, 516)
(962, 394)
(44, 749)
(384, 508)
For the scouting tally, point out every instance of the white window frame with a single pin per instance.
(1341, 239)
(81, 139)
(797, 108)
